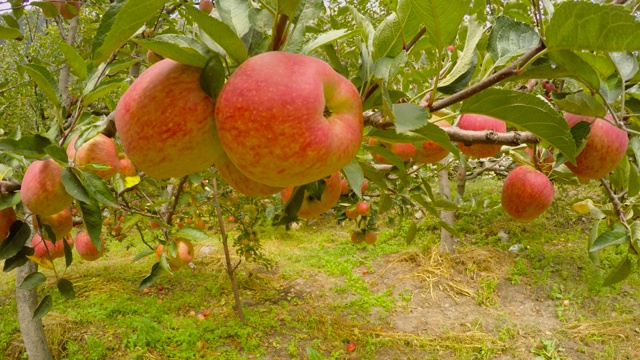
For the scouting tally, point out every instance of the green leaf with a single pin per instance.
(68, 256)
(620, 273)
(151, 278)
(311, 10)
(288, 7)
(19, 233)
(634, 181)
(466, 62)
(45, 81)
(364, 24)
(328, 37)
(120, 22)
(355, 176)
(445, 204)
(387, 103)
(66, 289)
(11, 21)
(30, 146)
(8, 33)
(213, 76)
(192, 234)
(608, 238)
(74, 186)
(635, 235)
(18, 260)
(411, 232)
(385, 204)
(626, 63)
(43, 308)
(57, 153)
(103, 89)
(441, 18)
(33, 280)
(387, 68)
(459, 83)
(527, 112)
(594, 256)
(388, 39)
(408, 20)
(579, 133)
(587, 26)
(221, 33)
(142, 255)
(181, 48)
(581, 103)
(75, 61)
(510, 38)
(611, 88)
(98, 189)
(409, 117)
(436, 134)
(9, 200)
(387, 154)
(372, 174)
(235, 13)
(577, 67)
(92, 219)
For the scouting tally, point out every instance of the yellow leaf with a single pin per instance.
(45, 263)
(131, 181)
(582, 207)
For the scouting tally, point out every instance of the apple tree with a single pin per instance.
(148, 117)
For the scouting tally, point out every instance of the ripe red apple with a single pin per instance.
(206, 6)
(98, 150)
(370, 237)
(526, 193)
(478, 123)
(451, 48)
(351, 213)
(429, 152)
(311, 207)
(357, 237)
(404, 151)
(46, 249)
(165, 121)
(42, 191)
(351, 347)
(287, 119)
(363, 208)
(605, 147)
(85, 247)
(154, 224)
(126, 167)
(60, 223)
(7, 217)
(239, 181)
(546, 164)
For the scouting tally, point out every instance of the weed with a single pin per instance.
(485, 296)
(548, 350)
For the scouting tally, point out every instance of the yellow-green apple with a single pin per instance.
(206, 6)
(152, 57)
(430, 152)
(42, 191)
(165, 121)
(480, 122)
(60, 223)
(526, 193)
(126, 167)
(403, 150)
(546, 163)
(7, 217)
(47, 249)
(605, 147)
(288, 119)
(85, 247)
(312, 207)
(98, 150)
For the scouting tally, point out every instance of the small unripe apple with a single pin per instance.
(311, 207)
(430, 152)
(451, 48)
(60, 223)
(363, 208)
(98, 150)
(7, 217)
(206, 6)
(478, 123)
(42, 190)
(526, 193)
(86, 249)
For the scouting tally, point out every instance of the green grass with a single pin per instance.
(324, 292)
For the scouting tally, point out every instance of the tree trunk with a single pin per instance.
(446, 239)
(32, 331)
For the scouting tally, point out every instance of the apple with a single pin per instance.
(605, 147)
(7, 217)
(351, 213)
(357, 237)
(85, 247)
(239, 181)
(42, 191)
(165, 121)
(404, 151)
(126, 167)
(351, 347)
(344, 186)
(312, 207)
(363, 208)
(47, 249)
(370, 237)
(205, 6)
(69, 9)
(526, 193)
(546, 164)
(153, 57)
(451, 48)
(430, 152)
(287, 119)
(231, 219)
(184, 254)
(480, 122)
(98, 150)
(60, 223)
(154, 224)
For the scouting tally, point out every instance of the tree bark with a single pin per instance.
(35, 342)
(446, 239)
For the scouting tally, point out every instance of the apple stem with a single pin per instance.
(225, 245)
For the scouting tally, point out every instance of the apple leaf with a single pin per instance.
(355, 176)
(9, 200)
(635, 236)
(19, 233)
(213, 76)
(411, 232)
(527, 112)
(510, 38)
(464, 67)
(611, 88)
(459, 83)
(385, 204)
(156, 270)
(181, 48)
(634, 181)
(387, 68)
(221, 33)
(19, 259)
(8, 33)
(57, 153)
(621, 272)
(577, 67)
(66, 289)
(626, 63)
(47, 8)
(388, 38)
(288, 7)
(436, 134)
(92, 219)
(43, 308)
(74, 186)
(290, 212)
(142, 255)
(372, 174)
(328, 37)
(588, 26)
(32, 280)
(311, 10)
(315, 189)
(45, 81)
(103, 89)
(387, 154)
(608, 238)
(441, 18)
(409, 117)
(364, 24)
(68, 256)
(192, 234)
(580, 103)
(164, 262)
(98, 189)
(121, 20)
(235, 13)
(408, 20)
(75, 61)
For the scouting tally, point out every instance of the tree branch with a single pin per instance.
(7, 187)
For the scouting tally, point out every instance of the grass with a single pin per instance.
(394, 301)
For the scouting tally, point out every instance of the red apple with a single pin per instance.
(546, 164)
(206, 6)
(85, 247)
(239, 181)
(154, 224)
(287, 119)
(351, 213)
(404, 151)
(98, 150)
(184, 253)
(7, 217)
(605, 147)
(526, 193)
(363, 208)
(60, 223)
(451, 48)
(69, 9)
(126, 168)
(46, 249)
(357, 237)
(370, 237)
(429, 152)
(480, 122)
(42, 191)
(344, 187)
(351, 347)
(165, 121)
(311, 207)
